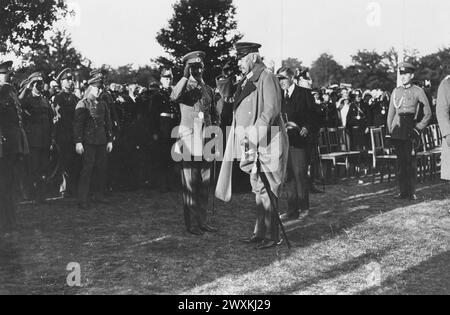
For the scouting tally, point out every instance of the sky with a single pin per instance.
(119, 32)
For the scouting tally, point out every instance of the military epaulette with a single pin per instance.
(81, 104)
(447, 78)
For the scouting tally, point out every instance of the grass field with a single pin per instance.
(357, 241)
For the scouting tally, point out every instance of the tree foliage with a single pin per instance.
(24, 23)
(56, 54)
(326, 71)
(205, 25)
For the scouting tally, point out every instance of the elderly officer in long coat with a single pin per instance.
(443, 115)
(257, 134)
(197, 106)
(13, 145)
(405, 130)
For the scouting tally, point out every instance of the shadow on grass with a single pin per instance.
(339, 270)
(431, 277)
(344, 212)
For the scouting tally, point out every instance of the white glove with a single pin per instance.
(109, 147)
(79, 148)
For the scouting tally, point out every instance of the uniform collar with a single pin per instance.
(407, 86)
(258, 69)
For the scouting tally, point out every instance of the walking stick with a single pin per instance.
(272, 202)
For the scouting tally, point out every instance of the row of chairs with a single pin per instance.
(335, 150)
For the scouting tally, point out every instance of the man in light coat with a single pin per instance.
(443, 115)
(257, 134)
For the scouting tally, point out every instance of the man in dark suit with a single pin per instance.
(13, 145)
(297, 114)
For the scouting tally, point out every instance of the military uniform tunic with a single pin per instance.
(13, 144)
(403, 111)
(93, 129)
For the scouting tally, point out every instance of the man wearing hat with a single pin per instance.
(259, 139)
(443, 114)
(93, 140)
(358, 122)
(404, 128)
(197, 105)
(64, 106)
(13, 146)
(38, 123)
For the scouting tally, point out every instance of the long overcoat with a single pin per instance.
(443, 115)
(257, 107)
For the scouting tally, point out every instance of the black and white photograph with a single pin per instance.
(225, 152)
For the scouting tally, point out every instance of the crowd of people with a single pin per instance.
(85, 139)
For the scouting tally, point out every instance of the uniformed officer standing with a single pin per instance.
(38, 123)
(169, 118)
(405, 130)
(93, 138)
(64, 107)
(197, 105)
(13, 146)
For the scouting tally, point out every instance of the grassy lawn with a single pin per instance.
(357, 241)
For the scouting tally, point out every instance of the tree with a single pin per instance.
(205, 25)
(292, 63)
(326, 71)
(434, 67)
(24, 23)
(370, 70)
(57, 54)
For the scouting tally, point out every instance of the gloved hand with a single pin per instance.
(187, 71)
(109, 147)
(79, 148)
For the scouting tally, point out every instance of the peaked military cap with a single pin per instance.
(6, 67)
(98, 72)
(194, 57)
(34, 77)
(406, 67)
(96, 80)
(245, 48)
(166, 73)
(66, 73)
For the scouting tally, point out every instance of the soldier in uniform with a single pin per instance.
(405, 130)
(13, 146)
(38, 123)
(331, 116)
(93, 140)
(197, 105)
(123, 160)
(258, 137)
(64, 107)
(169, 118)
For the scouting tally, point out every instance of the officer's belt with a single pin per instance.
(406, 114)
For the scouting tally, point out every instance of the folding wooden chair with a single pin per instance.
(329, 150)
(380, 155)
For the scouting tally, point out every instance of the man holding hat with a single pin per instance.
(197, 105)
(38, 123)
(64, 106)
(93, 140)
(405, 130)
(13, 146)
(258, 137)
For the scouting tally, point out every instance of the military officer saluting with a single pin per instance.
(38, 123)
(93, 138)
(404, 128)
(64, 106)
(197, 105)
(13, 145)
